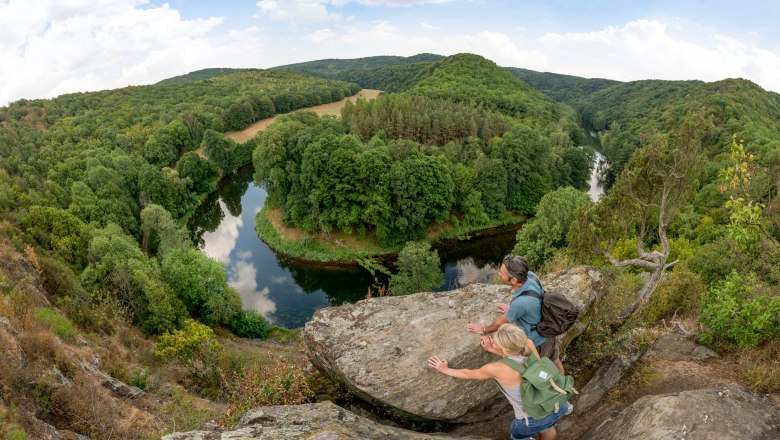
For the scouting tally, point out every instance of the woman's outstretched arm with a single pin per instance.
(487, 371)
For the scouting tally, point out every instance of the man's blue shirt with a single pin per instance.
(526, 311)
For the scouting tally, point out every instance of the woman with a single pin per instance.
(509, 341)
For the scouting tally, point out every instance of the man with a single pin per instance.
(524, 310)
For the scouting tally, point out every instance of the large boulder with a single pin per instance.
(314, 421)
(378, 348)
(725, 412)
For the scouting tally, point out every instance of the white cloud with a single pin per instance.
(220, 243)
(430, 26)
(297, 11)
(50, 47)
(321, 35)
(645, 49)
(243, 278)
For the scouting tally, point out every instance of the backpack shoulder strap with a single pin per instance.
(513, 364)
(538, 281)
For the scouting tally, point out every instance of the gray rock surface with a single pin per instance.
(725, 412)
(676, 347)
(314, 421)
(378, 348)
(606, 377)
(116, 386)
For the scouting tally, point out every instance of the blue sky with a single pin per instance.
(50, 47)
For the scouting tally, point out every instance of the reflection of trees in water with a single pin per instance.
(209, 215)
(207, 218)
(233, 187)
(341, 285)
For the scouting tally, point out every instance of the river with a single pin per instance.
(287, 291)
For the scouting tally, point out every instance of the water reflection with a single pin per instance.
(287, 291)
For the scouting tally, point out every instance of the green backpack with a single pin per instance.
(543, 388)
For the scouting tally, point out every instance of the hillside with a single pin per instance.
(622, 112)
(202, 74)
(563, 88)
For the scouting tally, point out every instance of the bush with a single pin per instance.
(277, 383)
(138, 378)
(741, 311)
(59, 324)
(679, 292)
(250, 324)
(196, 348)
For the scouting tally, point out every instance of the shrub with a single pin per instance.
(739, 310)
(138, 378)
(277, 383)
(196, 348)
(250, 324)
(679, 292)
(59, 324)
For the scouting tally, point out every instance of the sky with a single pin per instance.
(52, 47)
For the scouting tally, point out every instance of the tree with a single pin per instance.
(418, 269)
(658, 180)
(219, 149)
(201, 172)
(546, 232)
(194, 277)
(159, 228)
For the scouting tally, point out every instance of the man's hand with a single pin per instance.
(503, 307)
(476, 327)
(487, 344)
(437, 363)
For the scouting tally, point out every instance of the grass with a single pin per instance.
(59, 324)
(340, 246)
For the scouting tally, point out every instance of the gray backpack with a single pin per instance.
(558, 313)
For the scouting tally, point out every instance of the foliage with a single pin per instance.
(418, 269)
(139, 378)
(538, 239)
(421, 119)
(196, 348)
(277, 383)
(197, 279)
(59, 324)
(17, 434)
(679, 293)
(740, 310)
(250, 324)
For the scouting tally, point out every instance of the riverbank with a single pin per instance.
(339, 248)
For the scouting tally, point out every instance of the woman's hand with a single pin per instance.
(476, 328)
(437, 363)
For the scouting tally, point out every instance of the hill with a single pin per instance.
(202, 74)
(564, 88)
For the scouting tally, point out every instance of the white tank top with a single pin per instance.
(513, 394)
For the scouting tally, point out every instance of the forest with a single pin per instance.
(96, 189)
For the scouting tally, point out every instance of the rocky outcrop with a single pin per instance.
(669, 347)
(677, 347)
(378, 348)
(314, 421)
(606, 377)
(726, 412)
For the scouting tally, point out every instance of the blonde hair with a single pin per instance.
(512, 340)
